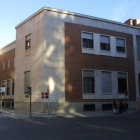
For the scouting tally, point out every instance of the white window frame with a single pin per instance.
(83, 81)
(109, 42)
(138, 48)
(7, 86)
(106, 93)
(24, 81)
(92, 39)
(126, 82)
(124, 45)
(26, 40)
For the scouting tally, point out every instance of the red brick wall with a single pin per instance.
(8, 73)
(75, 61)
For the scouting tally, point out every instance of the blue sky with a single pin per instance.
(12, 12)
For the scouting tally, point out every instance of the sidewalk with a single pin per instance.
(25, 114)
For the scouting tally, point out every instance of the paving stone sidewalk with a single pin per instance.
(25, 114)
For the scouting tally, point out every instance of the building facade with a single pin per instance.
(85, 62)
(7, 73)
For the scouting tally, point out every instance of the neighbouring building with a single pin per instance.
(7, 73)
(85, 62)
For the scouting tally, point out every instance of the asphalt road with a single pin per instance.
(117, 127)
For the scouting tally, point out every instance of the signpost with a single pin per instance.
(126, 107)
(48, 100)
(2, 89)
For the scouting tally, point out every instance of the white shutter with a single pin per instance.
(104, 39)
(87, 35)
(106, 82)
(120, 42)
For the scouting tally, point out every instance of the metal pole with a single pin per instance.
(48, 104)
(1, 101)
(30, 103)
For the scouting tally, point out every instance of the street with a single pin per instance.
(117, 127)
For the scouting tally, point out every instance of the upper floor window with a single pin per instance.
(28, 42)
(8, 63)
(105, 42)
(87, 39)
(120, 45)
(138, 46)
(3, 65)
(88, 81)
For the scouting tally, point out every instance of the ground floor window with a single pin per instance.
(8, 87)
(106, 82)
(26, 81)
(3, 85)
(122, 82)
(88, 81)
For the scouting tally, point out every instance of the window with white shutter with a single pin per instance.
(105, 42)
(106, 82)
(87, 39)
(120, 45)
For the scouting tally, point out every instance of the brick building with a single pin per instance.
(7, 73)
(86, 62)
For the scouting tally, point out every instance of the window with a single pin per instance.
(8, 87)
(13, 87)
(88, 81)
(87, 40)
(120, 45)
(106, 82)
(122, 82)
(44, 95)
(3, 65)
(28, 42)
(26, 81)
(105, 43)
(8, 63)
(138, 46)
(3, 85)
(7, 104)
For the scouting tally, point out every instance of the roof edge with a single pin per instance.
(33, 15)
(8, 45)
(75, 14)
